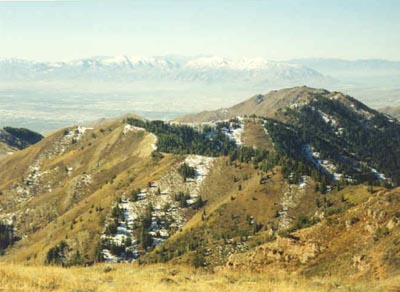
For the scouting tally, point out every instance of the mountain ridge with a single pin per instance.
(262, 104)
(277, 184)
(119, 68)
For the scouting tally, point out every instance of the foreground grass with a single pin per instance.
(163, 278)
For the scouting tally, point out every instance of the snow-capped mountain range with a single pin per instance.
(127, 68)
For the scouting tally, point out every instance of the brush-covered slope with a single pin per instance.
(285, 228)
(339, 134)
(62, 187)
(103, 193)
(323, 148)
(363, 241)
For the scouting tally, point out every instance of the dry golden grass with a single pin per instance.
(4, 149)
(117, 164)
(34, 248)
(124, 277)
(255, 136)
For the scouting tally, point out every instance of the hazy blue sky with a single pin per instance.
(62, 30)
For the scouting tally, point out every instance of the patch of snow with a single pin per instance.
(303, 182)
(141, 196)
(235, 134)
(154, 145)
(378, 174)
(339, 132)
(201, 164)
(167, 215)
(337, 176)
(336, 97)
(124, 231)
(109, 257)
(82, 130)
(328, 119)
(129, 128)
(323, 164)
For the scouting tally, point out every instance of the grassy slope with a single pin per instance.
(229, 205)
(169, 278)
(255, 136)
(5, 149)
(362, 242)
(73, 213)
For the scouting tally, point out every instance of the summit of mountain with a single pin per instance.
(268, 105)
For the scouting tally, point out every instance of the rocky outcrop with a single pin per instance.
(284, 252)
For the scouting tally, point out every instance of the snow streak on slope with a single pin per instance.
(167, 214)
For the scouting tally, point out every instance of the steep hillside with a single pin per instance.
(242, 204)
(62, 187)
(338, 133)
(362, 242)
(96, 193)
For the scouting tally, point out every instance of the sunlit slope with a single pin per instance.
(362, 242)
(62, 188)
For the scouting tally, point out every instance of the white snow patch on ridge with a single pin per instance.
(129, 128)
(235, 134)
(201, 164)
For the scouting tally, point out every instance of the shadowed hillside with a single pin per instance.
(13, 139)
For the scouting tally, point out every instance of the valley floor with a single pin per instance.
(125, 277)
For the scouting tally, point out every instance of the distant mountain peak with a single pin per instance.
(267, 105)
(257, 71)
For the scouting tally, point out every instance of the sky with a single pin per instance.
(276, 30)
